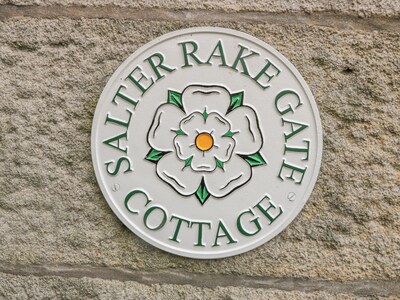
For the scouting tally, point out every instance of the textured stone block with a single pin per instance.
(48, 287)
(359, 8)
(52, 211)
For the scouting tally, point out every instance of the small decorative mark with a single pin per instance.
(291, 196)
(115, 187)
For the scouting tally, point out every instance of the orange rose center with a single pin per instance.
(204, 141)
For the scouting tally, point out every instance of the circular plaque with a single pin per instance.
(206, 142)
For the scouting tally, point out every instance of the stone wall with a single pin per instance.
(59, 238)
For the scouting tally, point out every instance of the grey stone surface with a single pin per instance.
(52, 211)
(361, 288)
(356, 7)
(53, 215)
(31, 287)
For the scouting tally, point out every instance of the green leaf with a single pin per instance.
(188, 161)
(175, 98)
(255, 159)
(236, 101)
(154, 155)
(219, 163)
(229, 134)
(180, 132)
(202, 193)
(205, 114)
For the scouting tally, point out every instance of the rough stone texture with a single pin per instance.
(30, 287)
(53, 213)
(355, 7)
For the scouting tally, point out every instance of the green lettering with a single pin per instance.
(118, 166)
(264, 72)
(200, 232)
(147, 214)
(254, 220)
(226, 233)
(117, 138)
(178, 227)
(119, 122)
(293, 170)
(265, 211)
(159, 65)
(298, 149)
(289, 107)
(220, 54)
(295, 130)
(123, 97)
(137, 81)
(130, 195)
(240, 58)
(186, 54)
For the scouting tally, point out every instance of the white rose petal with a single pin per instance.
(204, 161)
(184, 180)
(223, 148)
(221, 182)
(161, 133)
(247, 132)
(216, 124)
(184, 145)
(209, 98)
(193, 124)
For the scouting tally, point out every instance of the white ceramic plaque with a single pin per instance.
(206, 142)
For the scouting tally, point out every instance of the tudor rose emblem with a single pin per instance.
(205, 141)
(213, 140)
